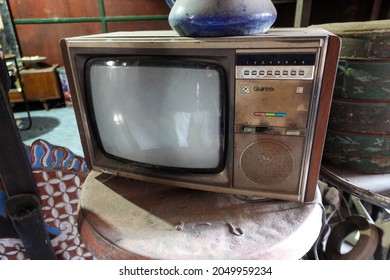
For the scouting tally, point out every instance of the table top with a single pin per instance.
(120, 218)
(9, 56)
(44, 68)
(373, 188)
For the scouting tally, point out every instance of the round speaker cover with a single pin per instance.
(267, 162)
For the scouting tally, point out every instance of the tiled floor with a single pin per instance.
(57, 126)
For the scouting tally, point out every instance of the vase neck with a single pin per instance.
(170, 3)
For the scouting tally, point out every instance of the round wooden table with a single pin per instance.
(120, 218)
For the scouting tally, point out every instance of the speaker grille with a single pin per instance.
(267, 162)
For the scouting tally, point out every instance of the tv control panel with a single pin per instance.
(275, 66)
(274, 117)
(273, 90)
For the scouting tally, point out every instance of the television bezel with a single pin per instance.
(98, 161)
(163, 62)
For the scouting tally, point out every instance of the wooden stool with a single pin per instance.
(121, 218)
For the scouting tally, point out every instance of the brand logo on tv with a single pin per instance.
(245, 89)
(256, 88)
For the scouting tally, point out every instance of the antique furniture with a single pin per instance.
(41, 84)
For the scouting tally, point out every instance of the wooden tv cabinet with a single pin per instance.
(39, 84)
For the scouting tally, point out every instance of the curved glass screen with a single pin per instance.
(159, 112)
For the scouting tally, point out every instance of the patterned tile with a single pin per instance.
(59, 175)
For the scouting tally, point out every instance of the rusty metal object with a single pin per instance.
(365, 247)
(373, 188)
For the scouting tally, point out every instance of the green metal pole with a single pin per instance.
(103, 15)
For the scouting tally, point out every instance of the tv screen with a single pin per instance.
(161, 112)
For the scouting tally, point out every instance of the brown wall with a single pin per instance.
(42, 38)
(32, 9)
(38, 37)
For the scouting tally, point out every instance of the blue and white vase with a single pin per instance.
(204, 18)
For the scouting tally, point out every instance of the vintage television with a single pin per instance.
(242, 115)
